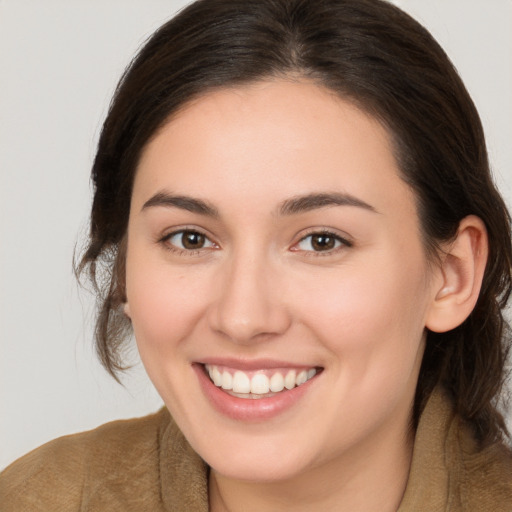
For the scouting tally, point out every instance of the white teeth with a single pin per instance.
(276, 383)
(241, 383)
(227, 380)
(302, 377)
(260, 383)
(216, 377)
(289, 380)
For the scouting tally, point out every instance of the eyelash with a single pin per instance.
(340, 243)
(165, 241)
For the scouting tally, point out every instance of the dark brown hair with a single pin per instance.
(372, 54)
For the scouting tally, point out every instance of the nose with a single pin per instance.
(250, 305)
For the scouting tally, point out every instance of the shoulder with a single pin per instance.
(450, 470)
(59, 474)
(486, 476)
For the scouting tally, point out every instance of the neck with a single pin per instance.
(370, 477)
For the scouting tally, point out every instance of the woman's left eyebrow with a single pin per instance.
(300, 204)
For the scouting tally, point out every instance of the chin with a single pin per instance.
(257, 468)
(257, 455)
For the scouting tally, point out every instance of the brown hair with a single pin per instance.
(371, 53)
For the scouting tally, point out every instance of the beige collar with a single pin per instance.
(438, 482)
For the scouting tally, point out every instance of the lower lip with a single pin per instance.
(247, 409)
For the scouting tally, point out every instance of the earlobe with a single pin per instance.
(461, 275)
(126, 310)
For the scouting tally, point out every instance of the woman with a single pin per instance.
(294, 213)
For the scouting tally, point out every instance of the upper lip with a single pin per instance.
(253, 364)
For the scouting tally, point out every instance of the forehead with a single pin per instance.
(270, 140)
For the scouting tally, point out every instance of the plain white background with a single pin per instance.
(59, 63)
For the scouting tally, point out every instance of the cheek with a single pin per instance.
(165, 303)
(369, 312)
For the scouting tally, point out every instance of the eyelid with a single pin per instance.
(164, 240)
(343, 239)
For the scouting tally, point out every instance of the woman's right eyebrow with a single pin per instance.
(190, 204)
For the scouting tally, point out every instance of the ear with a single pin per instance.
(126, 310)
(460, 276)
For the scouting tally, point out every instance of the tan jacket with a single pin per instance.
(146, 465)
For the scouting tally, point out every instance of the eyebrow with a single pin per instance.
(292, 206)
(309, 202)
(190, 204)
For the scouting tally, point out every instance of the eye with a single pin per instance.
(321, 242)
(188, 240)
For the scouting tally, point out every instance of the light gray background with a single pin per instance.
(59, 63)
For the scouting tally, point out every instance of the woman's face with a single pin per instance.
(271, 241)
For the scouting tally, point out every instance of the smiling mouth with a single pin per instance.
(259, 384)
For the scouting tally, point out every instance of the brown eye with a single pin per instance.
(188, 240)
(322, 242)
(192, 240)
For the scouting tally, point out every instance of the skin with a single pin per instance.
(258, 289)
